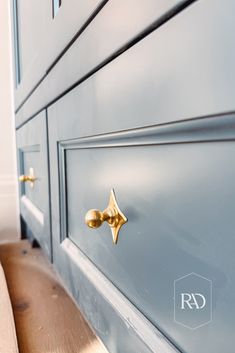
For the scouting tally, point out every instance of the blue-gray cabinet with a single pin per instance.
(136, 97)
(41, 38)
(32, 155)
(172, 181)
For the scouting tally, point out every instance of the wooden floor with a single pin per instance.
(47, 320)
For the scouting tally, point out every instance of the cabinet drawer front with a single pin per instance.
(167, 76)
(30, 159)
(34, 196)
(101, 40)
(40, 46)
(179, 201)
(31, 22)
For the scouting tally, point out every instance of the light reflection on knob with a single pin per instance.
(112, 215)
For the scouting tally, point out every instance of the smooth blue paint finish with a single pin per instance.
(102, 38)
(174, 180)
(179, 204)
(52, 38)
(118, 323)
(182, 70)
(31, 158)
(32, 153)
(32, 20)
(180, 208)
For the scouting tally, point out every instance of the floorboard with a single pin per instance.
(46, 318)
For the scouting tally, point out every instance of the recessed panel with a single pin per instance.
(33, 179)
(180, 209)
(31, 160)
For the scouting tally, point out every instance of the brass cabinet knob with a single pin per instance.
(30, 178)
(24, 178)
(112, 215)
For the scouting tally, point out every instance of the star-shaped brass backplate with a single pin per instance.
(112, 215)
(118, 219)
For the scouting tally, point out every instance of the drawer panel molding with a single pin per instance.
(213, 128)
(37, 214)
(32, 157)
(149, 337)
(177, 188)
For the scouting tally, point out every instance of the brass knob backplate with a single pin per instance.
(28, 178)
(112, 215)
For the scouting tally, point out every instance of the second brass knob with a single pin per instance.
(28, 178)
(24, 178)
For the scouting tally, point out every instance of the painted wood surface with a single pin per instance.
(177, 204)
(167, 76)
(151, 121)
(75, 17)
(103, 39)
(42, 38)
(32, 152)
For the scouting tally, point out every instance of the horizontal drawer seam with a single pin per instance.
(156, 24)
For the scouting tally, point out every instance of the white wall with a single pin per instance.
(9, 212)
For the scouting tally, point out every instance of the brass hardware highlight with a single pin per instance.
(30, 178)
(112, 215)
